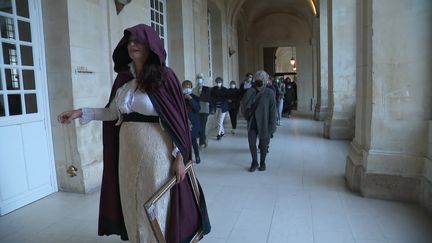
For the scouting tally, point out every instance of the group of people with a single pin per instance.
(152, 122)
(201, 101)
(259, 97)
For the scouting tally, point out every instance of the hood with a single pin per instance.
(144, 34)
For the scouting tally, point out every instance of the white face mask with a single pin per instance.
(187, 91)
(219, 84)
(233, 86)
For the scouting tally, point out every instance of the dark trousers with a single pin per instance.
(203, 124)
(195, 147)
(233, 116)
(263, 145)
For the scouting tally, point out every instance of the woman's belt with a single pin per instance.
(137, 117)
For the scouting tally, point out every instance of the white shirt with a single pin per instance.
(127, 100)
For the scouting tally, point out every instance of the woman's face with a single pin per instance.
(138, 52)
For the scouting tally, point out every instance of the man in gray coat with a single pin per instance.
(259, 109)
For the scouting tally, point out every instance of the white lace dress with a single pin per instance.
(145, 156)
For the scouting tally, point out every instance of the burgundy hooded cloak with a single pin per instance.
(185, 216)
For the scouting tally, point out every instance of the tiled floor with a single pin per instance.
(301, 198)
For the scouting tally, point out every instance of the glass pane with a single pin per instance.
(14, 104)
(2, 108)
(161, 19)
(162, 31)
(156, 4)
(24, 31)
(152, 15)
(7, 27)
(22, 8)
(12, 79)
(157, 17)
(1, 83)
(10, 54)
(161, 7)
(27, 55)
(28, 79)
(30, 103)
(152, 3)
(6, 6)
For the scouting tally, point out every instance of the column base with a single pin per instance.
(320, 112)
(338, 129)
(354, 167)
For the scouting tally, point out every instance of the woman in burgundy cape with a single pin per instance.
(185, 217)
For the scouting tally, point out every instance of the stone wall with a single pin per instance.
(79, 64)
(390, 155)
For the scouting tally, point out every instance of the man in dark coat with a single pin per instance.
(259, 109)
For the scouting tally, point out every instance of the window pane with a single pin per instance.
(24, 31)
(152, 15)
(30, 103)
(157, 17)
(7, 27)
(1, 83)
(14, 104)
(12, 79)
(28, 80)
(161, 19)
(22, 8)
(156, 5)
(2, 108)
(27, 55)
(161, 7)
(6, 6)
(9, 54)
(162, 31)
(152, 3)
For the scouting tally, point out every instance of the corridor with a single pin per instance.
(301, 198)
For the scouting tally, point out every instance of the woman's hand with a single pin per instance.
(67, 116)
(179, 168)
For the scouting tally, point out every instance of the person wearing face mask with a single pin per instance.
(219, 103)
(192, 108)
(246, 84)
(233, 104)
(259, 109)
(203, 92)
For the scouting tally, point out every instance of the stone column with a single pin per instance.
(201, 37)
(322, 89)
(79, 73)
(339, 123)
(181, 37)
(389, 157)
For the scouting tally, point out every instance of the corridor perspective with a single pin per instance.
(301, 198)
(353, 163)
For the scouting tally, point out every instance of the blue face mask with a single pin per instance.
(187, 91)
(200, 81)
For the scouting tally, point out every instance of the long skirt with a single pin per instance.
(144, 166)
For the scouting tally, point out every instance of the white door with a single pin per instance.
(27, 170)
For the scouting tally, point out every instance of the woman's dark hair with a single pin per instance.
(152, 75)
